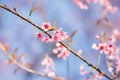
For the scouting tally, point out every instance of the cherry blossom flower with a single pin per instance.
(46, 26)
(46, 39)
(100, 46)
(38, 35)
(47, 61)
(49, 66)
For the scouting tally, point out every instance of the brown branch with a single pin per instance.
(69, 49)
(13, 60)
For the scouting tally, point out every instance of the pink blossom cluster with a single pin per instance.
(58, 35)
(90, 75)
(108, 48)
(112, 53)
(49, 66)
(105, 3)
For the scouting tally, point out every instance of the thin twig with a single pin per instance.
(69, 49)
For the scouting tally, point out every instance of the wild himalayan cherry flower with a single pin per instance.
(38, 35)
(46, 26)
(46, 39)
(63, 51)
(63, 54)
(100, 46)
(59, 35)
(48, 62)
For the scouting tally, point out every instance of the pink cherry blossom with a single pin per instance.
(63, 54)
(47, 61)
(100, 46)
(38, 35)
(46, 39)
(46, 26)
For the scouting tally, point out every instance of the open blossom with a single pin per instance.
(38, 35)
(100, 46)
(63, 54)
(46, 26)
(47, 61)
(46, 39)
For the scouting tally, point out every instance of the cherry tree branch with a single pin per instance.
(13, 59)
(69, 49)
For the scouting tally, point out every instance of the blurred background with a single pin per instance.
(17, 33)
